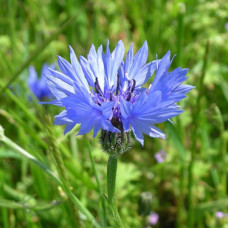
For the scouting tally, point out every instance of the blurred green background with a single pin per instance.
(189, 187)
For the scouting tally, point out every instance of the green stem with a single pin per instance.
(104, 218)
(224, 162)
(223, 135)
(111, 184)
(180, 208)
(191, 214)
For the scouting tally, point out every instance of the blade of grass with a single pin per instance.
(178, 144)
(222, 187)
(190, 197)
(18, 205)
(3, 211)
(58, 161)
(42, 47)
(211, 206)
(46, 169)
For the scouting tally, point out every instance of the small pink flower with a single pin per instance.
(160, 156)
(153, 218)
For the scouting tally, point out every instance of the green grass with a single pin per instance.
(60, 181)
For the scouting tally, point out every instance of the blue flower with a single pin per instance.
(105, 92)
(39, 85)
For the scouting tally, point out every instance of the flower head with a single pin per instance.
(144, 203)
(226, 26)
(160, 156)
(104, 91)
(153, 218)
(39, 85)
(219, 214)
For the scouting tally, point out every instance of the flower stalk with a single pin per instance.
(104, 218)
(111, 184)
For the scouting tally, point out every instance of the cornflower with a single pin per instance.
(105, 92)
(39, 85)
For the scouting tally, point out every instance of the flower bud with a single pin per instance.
(144, 203)
(115, 143)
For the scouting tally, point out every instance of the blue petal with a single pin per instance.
(88, 125)
(100, 66)
(96, 65)
(139, 127)
(59, 75)
(106, 125)
(66, 68)
(112, 63)
(61, 118)
(32, 80)
(54, 102)
(138, 135)
(162, 67)
(125, 109)
(69, 127)
(129, 59)
(80, 77)
(146, 72)
(87, 113)
(39, 86)
(142, 99)
(126, 124)
(135, 67)
(56, 92)
(46, 67)
(60, 85)
(96, 129)
(87, 71)
(75, 102)
(107, 109)
(139, 60)
(32, 74)
(107, 59)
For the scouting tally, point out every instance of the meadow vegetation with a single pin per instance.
(187, 188)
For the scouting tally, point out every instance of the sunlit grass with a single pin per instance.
(188, 188)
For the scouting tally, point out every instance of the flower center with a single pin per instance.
(130, 89)
(127, 94)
